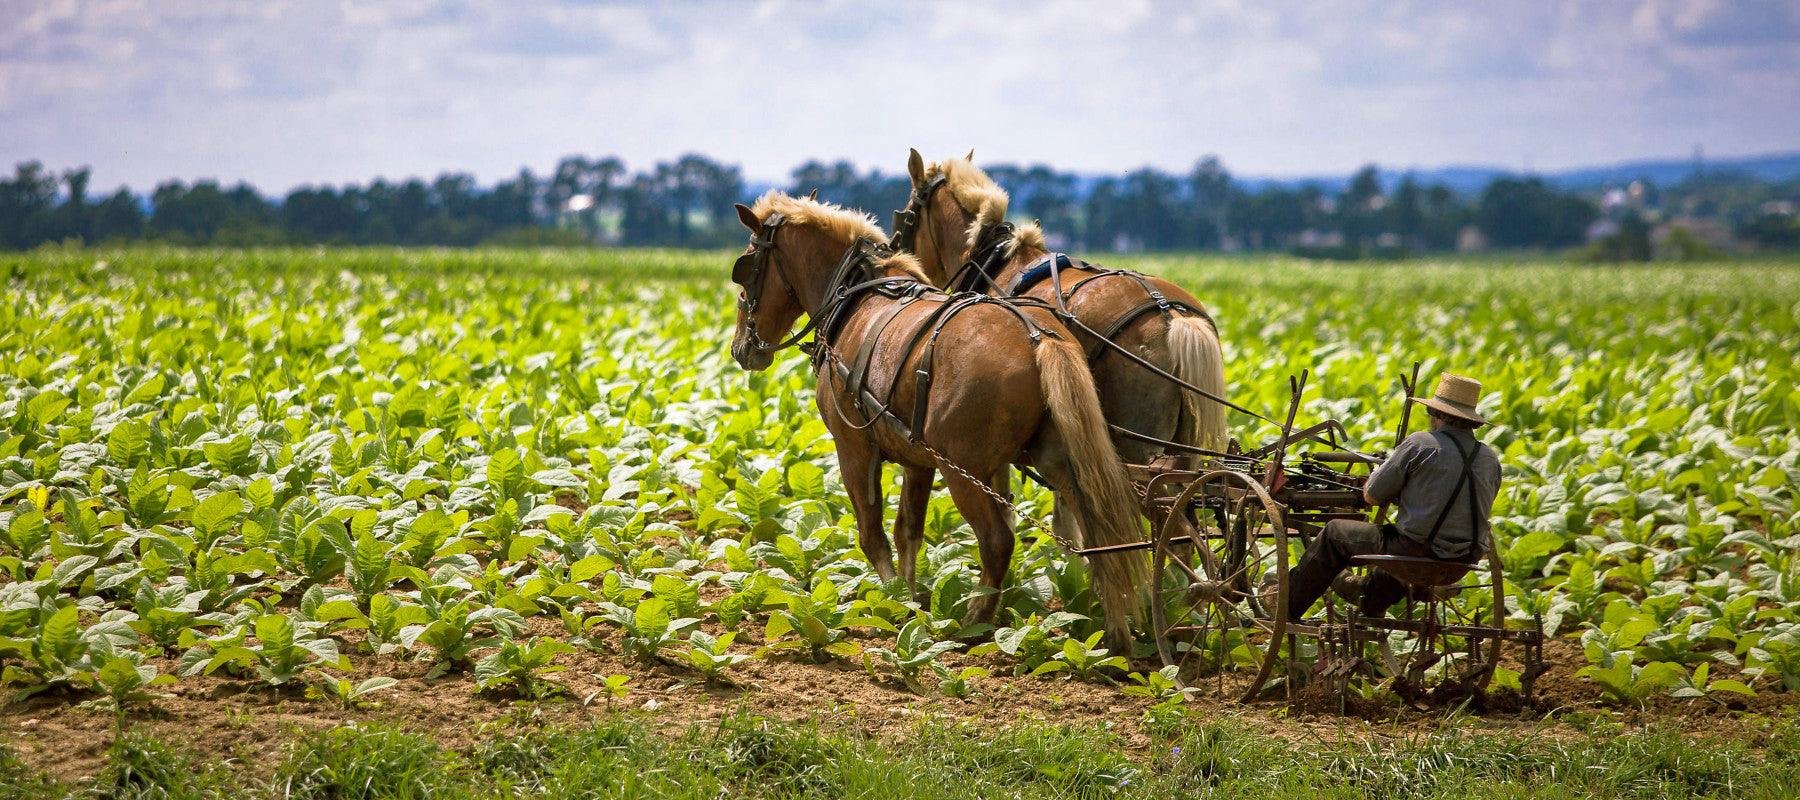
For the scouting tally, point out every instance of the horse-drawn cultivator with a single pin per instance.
(1226, 527)
(980, 349)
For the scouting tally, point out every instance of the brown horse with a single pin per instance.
(957, 217)
(1002, 385)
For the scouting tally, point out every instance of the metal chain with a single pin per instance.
(999, 498)
(944, 461)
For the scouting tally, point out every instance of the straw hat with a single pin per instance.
(1456, 396)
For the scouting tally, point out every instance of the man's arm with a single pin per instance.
(1385, 483)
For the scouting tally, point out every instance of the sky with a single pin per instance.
(282, 93)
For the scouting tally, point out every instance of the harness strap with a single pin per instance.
(985, 261)
(1041, 268)
(859, 368)
(854, 378)
(1063, 312)
(923, 373)
(1467, 477)
(875, 408)
(906, 220)
(1131, 316)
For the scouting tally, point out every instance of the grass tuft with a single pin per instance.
(365, 763)
(141, 768)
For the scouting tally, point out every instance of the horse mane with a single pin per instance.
(840, 224)
(985, 201)
(1026, 235)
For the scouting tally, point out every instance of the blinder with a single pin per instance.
(747, 271)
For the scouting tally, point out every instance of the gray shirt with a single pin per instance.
(1422, 473)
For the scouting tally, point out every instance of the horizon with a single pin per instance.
(284, 94)
(1389, 173)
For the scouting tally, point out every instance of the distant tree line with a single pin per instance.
(687, 203)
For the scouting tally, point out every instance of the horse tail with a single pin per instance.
(1197, 358)
(1104, 500)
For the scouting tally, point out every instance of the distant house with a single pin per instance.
(1471, 240)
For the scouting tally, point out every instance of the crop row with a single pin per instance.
(257, 463)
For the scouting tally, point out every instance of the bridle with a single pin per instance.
(747, 272)
(850, 278)
(908, 221)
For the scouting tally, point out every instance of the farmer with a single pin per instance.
(1444, 481)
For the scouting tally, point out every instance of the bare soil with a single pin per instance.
(247, 723)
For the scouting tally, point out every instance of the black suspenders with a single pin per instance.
(1468, 478)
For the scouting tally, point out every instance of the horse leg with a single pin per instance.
(909, 525)
(1051, 461)
(862, 482)
(994, 538)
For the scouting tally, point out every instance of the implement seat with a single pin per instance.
(1417, 572)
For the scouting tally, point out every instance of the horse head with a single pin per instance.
(795, 245)
(766, 300)
(952, 202)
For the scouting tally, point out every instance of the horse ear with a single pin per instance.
(971, 155)
(915, 166)
(748, 217)
(814, 195)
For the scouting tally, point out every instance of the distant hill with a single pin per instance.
(1469, 179)
(1472, 179)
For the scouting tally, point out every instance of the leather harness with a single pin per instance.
(852, 282)
(989, 255)
(987, 258)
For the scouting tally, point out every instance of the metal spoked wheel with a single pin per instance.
(1236, 538)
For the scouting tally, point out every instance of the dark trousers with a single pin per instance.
(1330, 553)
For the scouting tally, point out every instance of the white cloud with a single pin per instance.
(282, 92)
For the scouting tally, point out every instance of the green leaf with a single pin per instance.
(261, 494)
(652, 617)
(504, 472)
(71, 569)
(128, 442)
(214, 515)
(275, 631)
(62, 634)
(587, 568)
(120, 675)
(228, 455)
(335, 610)
(807, 480)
